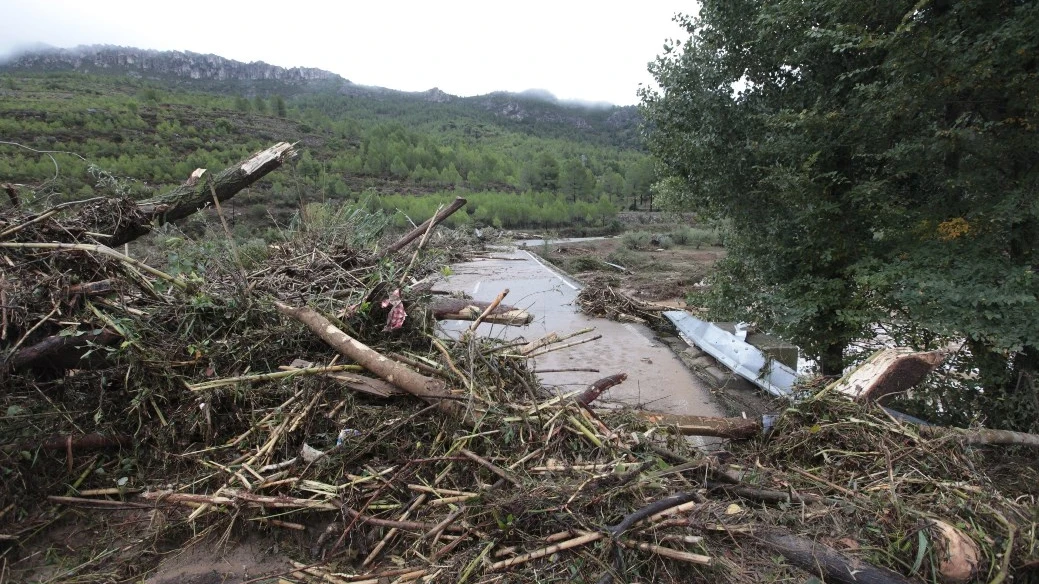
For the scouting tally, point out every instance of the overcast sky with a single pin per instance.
(592, 51)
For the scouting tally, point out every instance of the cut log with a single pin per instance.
(888, 371)
(824, 561)
(61, 352)
(12, 194)
(418, 231)
(596, 389)
(99, 288)
(431, 390)
(982, 436)
(460, 309)
(732, 428)
(190, 198)
(124, 220)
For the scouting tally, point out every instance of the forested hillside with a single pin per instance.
(71, 123)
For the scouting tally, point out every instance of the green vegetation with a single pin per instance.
(697, 236)
(534, 172)
(878, 164)
(635, 239)
(501, 210)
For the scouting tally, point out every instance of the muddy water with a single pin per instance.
(656, 378)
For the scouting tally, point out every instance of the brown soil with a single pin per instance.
(656, 275)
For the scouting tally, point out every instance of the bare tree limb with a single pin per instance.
(418, 231)
(429, 389)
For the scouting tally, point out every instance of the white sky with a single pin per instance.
(592, 51)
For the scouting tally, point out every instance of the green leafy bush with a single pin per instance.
(682, 235)
(636, 239)
(583, 264)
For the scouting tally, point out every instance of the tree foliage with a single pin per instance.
(878, 162)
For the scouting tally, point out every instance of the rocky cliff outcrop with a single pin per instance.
(148, 63)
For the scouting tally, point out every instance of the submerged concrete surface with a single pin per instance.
(657, 379)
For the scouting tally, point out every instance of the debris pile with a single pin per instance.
(301, 391)
(598, 298)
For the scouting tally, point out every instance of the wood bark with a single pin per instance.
(418, 231)
(743, 429)
(431, 390)
(61, 352)
(359, 383)
(824, 561)
(99, 288)
(732, 428)
(982, 436)
(887, 372)
(73, 443)
(460, 309)
(768, 495)
(124, 220)
(12, 194)
(190, 198)
(596, 389)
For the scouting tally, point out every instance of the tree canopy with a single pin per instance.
(878, 163)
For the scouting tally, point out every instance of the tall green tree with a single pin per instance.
(878, 164)
(541, 173)
(259, 104)
(576, 181)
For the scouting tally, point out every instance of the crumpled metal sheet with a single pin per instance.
(744, 359)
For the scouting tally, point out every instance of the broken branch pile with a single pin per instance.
(301, 391)
(598, 298)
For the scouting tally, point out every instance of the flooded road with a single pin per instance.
(656, 378)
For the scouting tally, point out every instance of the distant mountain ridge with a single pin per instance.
(534, 110)
(146, 62)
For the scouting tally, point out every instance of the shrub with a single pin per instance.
(700, 237)
(253, 252)
(635, 239)
(682, 235)
(622, 257)
(664, 242)
(583, 264)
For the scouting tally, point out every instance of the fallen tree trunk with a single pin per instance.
(431, 390)
(12, 194)
(116, 221)
(824, 561)
(743, 429)
(460, 309)
(886, 372)
(418, 231)
(195, 195)
(61, 352)
(982, 436)
(83, 442)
